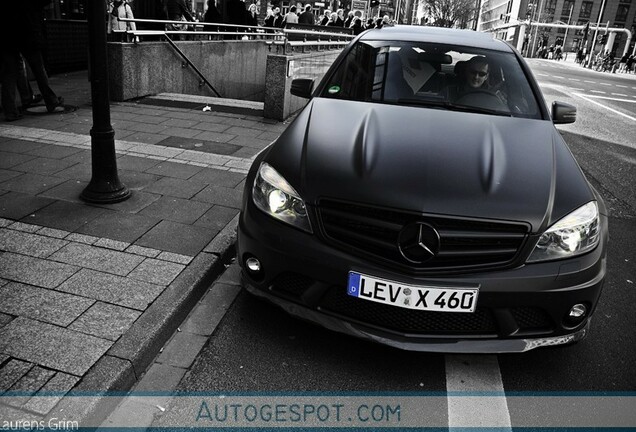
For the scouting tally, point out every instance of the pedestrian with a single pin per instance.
(117, 29)
(24, 34)
(307, 17)
(252, 17)
(178, 11)
(326, 17)
(291, 17)
(349, 21)
(212, 15)
(340, 18)
(278, 18)
(269, 19)
(370, 24)
(622, 65)
(357, 26)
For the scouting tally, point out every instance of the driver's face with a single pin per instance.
(476, 75)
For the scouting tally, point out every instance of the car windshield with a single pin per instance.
(434, 75)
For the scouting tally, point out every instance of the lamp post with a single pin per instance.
(104, 187)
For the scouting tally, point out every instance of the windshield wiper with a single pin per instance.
(452, 106)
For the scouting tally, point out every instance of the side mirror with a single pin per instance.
(302, 87)
(563, 113)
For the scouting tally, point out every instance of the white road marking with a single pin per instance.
(578, 89)
(620, 94)
(474, 374)
(591, 82)
(542, 74)
(605, 84)
(589, 99)
(621, 86)
(574, 79)
(557, 76)
(597, 91)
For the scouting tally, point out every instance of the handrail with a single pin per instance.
(198, 72)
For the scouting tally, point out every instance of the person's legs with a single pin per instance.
(34, 58)
(9, 85)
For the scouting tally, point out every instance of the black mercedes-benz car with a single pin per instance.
(424, 199)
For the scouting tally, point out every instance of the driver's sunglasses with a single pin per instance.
(481, 74)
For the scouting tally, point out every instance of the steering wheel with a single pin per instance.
(481, 98)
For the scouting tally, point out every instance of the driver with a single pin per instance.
(471, 76)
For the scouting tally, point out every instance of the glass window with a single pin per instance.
(436, 76)
(586, 10)
(621, 13)
(565, 12)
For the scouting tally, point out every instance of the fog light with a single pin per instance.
(578, 311)
(253, 264)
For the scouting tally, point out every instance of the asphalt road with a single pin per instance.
(259, 348)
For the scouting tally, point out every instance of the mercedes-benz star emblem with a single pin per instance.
(418, 242)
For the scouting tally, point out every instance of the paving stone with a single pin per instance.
(135, 163)
(42, 304)
(215, 177)
(135, 180)
(24, 227)
(218, 137)
(9, 160)
(211, 127)
(175, 187)
(79, 171)
(143, 251)
(172, 169)
(4, 320)
(55, 152)
(8, 174)
(105, 321)
(15, 205)
(244, 152)
(52, 393)
(3, 358)
(223, 196)
(29, 244)
(176, 210)
(113, 289)
(34, 271)
(256, 143)
(157, 271)
(175, 258)
(111, 244)
(138, 201)
(12, 372)
(52, 232)
(123, 227)
(145, 137)
(43, 166)
(200, 142)
(29, 384)
(244, 131)
(64, 215)
(70, 190)
(182, 349)
(82, 238)
(217, 217)
(109, 261)
(177, 238)
(51, 346)
(5, 222)
(29, 183)
(20, 146)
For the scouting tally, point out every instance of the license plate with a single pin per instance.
(418, 297)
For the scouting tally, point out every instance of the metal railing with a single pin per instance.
(282, 37)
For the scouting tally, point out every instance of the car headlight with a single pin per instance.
(273, 195)
(575, 234)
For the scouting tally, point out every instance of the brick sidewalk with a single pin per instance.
(90, 293)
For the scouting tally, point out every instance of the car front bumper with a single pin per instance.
(518, 309)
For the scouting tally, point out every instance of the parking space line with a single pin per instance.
(589, 99)
(466, 377)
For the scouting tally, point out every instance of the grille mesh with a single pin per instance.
(464, 244)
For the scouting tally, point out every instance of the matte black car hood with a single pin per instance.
(432, 161)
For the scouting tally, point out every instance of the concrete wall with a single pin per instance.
(236, 69)
(244, 70)
(281, 70)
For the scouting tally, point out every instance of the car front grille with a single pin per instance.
(465, 244)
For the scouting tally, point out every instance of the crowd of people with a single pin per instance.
(239, 12)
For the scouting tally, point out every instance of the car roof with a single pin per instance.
(442, 35)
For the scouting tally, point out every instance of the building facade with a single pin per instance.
(502, 17)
